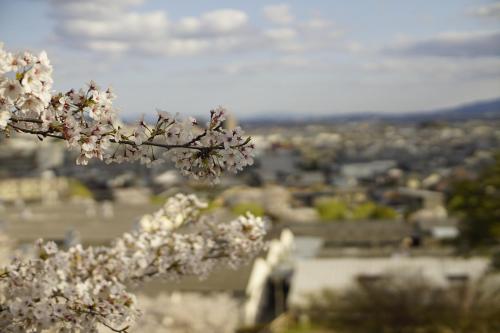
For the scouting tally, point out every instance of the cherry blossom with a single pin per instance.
(83, 288)
(4, 119)
(87, 121)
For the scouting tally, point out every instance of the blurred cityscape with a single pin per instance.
(351, 202)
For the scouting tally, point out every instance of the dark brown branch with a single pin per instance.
(123, 330)
(174, 265)
(97, 314)
(36, 132)
(26, 120)
(188, 145)
(126, 142)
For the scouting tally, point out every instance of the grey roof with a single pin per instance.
(314, 275)
(52, 222)
(220, 280)
(428, 224)
(340, 233)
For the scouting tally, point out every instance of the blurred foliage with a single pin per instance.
(406, 305)
(78, 190)
(289, 327)
(244, 207)
(303, 328)
(258, 328)
(158, 199)
(331, 209)
(372, 211)
(477, 203)
(212, 205)
(314, 158)
(495, 261)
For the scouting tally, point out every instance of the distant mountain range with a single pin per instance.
(489, 109)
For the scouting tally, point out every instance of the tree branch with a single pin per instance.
(187, 145)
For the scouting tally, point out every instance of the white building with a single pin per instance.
(313, 275)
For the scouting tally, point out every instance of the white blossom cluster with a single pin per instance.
(87, 121)
(27, 92)
(81, 288)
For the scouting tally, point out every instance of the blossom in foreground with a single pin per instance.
(86, 120)
(82, 288)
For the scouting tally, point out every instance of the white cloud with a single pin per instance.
(216, 22)
(309, 35)
(189, 25)
(354, 47)
(317, 23)
(445, 57)
(108, 46)
(431, 68)
(224, 20)
(278, 14)
(258, 66)
(91, 8)
(117, 27)
(123, 27)
(281, 34)
(454, 44)
(490, 10)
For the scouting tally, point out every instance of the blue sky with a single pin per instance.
(260, 57)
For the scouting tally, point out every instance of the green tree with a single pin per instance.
(477, 203)
(406, 304)
(371, 211)
(332, 209)
(78, 190)
(243, 207)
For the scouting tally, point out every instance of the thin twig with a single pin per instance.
(97, 314)
(188, 145)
